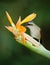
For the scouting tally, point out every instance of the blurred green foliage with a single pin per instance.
(12, 53)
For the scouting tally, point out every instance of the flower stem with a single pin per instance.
(40, 49)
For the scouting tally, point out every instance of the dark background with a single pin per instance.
(12, 53)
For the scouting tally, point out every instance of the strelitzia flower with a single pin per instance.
(18, 30)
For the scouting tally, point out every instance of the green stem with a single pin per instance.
(40, 49)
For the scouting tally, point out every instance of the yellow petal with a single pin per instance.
(29, 18)
(10, 19)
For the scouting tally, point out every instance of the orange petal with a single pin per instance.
(9, 28)
(18, 23)
(22, 29)
(29, 18)
(23, 39)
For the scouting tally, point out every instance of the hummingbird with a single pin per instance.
(35, 31)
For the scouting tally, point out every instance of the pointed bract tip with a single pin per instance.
(19, 19)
